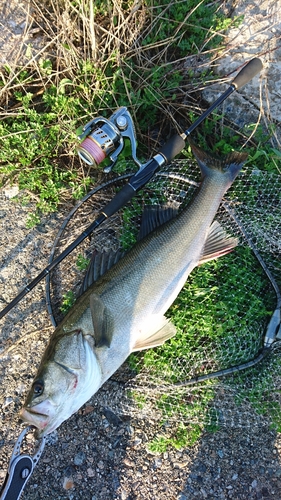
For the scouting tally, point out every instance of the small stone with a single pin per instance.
(88, 409)
(180, 465)
(220, 453)
(11, 191)
(79, 458)
(234, 477)
(68, 483)
(130, 430)
(41, 228)
(69, 471)
(128, 462)
(201, 467)
(90, 472)
(254, 483)
(7, 401)
(136, 442)
(111, 417)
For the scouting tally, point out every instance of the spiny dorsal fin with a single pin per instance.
(155, 334)
(218, 243)
(102, 321)
(154, 216)
(99, 264)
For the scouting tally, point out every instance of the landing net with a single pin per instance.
(221, 315)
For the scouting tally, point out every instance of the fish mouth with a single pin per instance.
(35, 417)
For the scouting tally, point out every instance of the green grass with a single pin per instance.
(182, 437)
(49, 100)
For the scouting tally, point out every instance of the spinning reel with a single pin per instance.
(103, 138)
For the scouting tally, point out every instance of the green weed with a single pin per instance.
(183, 437)
(82, 262)
(68, 301)
(54, 98)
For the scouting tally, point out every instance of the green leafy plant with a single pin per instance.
(68, 301)
(82, 262)
(54, 97)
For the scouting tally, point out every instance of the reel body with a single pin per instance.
(102, 138)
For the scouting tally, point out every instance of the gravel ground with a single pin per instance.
(97, 454)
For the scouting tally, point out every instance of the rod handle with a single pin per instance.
(247, 73)
(172, 147)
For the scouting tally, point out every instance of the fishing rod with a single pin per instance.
(102, 138)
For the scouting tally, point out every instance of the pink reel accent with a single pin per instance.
(93, 150)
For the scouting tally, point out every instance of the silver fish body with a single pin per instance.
(124, 309)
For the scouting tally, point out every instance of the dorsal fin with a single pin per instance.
(218, 243)
(99, 264)
(154, 216)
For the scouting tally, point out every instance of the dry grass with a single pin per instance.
(120, 39)
(89, 58)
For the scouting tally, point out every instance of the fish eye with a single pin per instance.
(38, 387)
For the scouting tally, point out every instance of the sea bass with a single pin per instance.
(124, 309)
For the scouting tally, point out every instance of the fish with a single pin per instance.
(123, 309)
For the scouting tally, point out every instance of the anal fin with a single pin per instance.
(155, 335)
(218, 243)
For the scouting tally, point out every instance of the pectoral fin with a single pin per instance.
(153, 337)
(102, 321)
(218, 243)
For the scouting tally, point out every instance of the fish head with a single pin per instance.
(68, 376)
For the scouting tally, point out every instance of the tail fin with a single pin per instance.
(231, 163)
